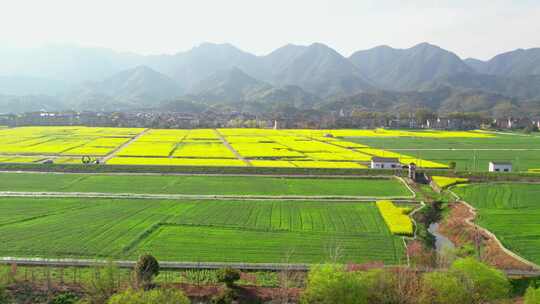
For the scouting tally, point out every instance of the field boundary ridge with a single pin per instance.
(110, 195)
(471, 221)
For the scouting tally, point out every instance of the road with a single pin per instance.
(337, 198)
(200, 265)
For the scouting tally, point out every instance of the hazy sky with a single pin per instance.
(471, 28)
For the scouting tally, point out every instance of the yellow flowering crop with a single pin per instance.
(445, 182)
(396, 218)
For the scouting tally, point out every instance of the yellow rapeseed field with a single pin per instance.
(205, 147)
(165, 161)
(444, 182)
(396, 218)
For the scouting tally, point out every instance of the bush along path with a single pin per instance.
(460, 226)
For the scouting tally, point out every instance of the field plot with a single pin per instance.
(169, 161)
(308, 149)
(200, 147)
(155, 143)
(511, 212)
(469, 153)
(266, 147)
(394, 133)
(197, 231)
(202, 185)
(51, 142)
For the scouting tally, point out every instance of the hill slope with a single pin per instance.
(140, 86)
(317, 69)
(406, 69)
(512, 64)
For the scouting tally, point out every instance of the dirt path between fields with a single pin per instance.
(119, 148)
(228, 145)
(333, 198)
(209, 174)
(461, 226)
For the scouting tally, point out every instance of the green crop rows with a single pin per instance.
(469, 153)
(201, 185)
(197, 231)
(510, 211)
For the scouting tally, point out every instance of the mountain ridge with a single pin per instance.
(299, 75)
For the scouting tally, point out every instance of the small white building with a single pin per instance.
(385, 163)
(500, 167)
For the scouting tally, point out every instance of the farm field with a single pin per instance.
(350, 149)
(203, 185)
(469, 153)
(57, 141)
(211, 147)
(511, 211)
(198, 231)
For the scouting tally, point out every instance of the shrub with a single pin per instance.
(483, 283)
(388, 286)
(442, 288)
(530, 129)
(329, 284)
(154, 296)
(65, 298)
(381, 286)
(532, 296)
(103, 283)
(227, 296)
(146, 269)
(228, 276)
(4, 299)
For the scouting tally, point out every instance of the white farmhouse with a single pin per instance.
(385, 163)
(500, 167)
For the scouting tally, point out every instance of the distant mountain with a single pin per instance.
(443, 99)
(406, 69)
(31, 103)
(317, 69)
(222, 76)
(182, 106)
(511, 64)
(140, 86)
(279, 60)
(69, 64)
(477, 65)
(227, 86)
(24, 85)
(524, 87)
(478, 101)
(390, 101)
(191, 67)
(234, 86)
(285, 96)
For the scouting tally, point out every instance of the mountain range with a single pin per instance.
(306, 77)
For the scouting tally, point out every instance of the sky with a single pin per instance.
(470, 28)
